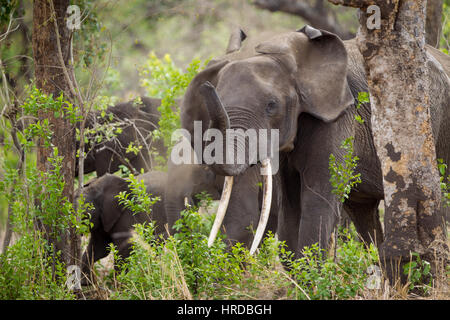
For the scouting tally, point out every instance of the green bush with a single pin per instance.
(445, 33)
(419, 275)
(319, 276)
(444, 183)
(31, 268)
(162, 79)
(183, 267)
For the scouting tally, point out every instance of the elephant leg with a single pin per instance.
(289, 216)
(288, 226)
(319, 210)
(318, 220)
(272, 223)
(366, 219)
(173, 205)
(122, 232)
(275, 208)
(244, 208)
(242, 216)
(96, 250)
(345, 221)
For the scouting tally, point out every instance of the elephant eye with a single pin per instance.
(271, 107)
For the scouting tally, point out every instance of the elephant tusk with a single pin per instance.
(266, 204)
(222, 209)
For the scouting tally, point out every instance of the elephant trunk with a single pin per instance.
(219, 119)
(216, 111)
(173, 205)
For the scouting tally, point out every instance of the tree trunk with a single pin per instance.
(50, 78)
(399, 85)
(433, 24)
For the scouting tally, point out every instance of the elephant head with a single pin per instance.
(285, 76)
(137, 121)
(100, 193)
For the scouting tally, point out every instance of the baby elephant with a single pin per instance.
(112, 223)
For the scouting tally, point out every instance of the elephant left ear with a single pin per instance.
(318, 60)
(237, 36)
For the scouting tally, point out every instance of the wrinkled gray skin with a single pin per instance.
(111, 222)
(106, 156)
(305, 84)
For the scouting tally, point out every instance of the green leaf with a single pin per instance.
(359, 119)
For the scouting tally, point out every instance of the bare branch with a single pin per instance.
(353, 3)
(316, 15)
(61, 58)
(8, 30)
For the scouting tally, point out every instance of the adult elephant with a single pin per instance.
(244, 205)
(305, 84)
(112, 223)
(136, 122)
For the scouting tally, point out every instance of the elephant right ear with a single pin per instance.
(193, 106)
(112, 210)
(318, 61)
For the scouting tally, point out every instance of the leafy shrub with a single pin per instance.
(444, 183)
(138, 200)
(162, 79)
(31, 268)
(321, 277)
(445, 33)
(343, 178)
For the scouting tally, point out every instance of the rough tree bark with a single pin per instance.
(51, 44)
(317, 15)
(399, 85)
(433, 24)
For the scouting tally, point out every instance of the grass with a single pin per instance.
(183, 267)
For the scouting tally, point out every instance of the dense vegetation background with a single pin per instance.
(127, 49)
